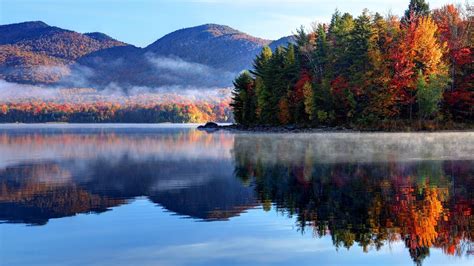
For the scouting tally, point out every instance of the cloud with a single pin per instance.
(177, 71)
(176, 64)
(14, 92)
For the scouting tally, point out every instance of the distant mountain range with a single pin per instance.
(204, 56)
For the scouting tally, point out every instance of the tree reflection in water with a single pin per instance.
(424, 203)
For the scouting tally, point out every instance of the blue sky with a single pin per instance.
(141, 22)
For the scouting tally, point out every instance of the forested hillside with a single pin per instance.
(209, 55)
(369, 71)
(34, 52)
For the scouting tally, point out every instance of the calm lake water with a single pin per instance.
(171, 195)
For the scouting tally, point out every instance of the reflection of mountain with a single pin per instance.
(188, 172)
(202, 189)
(26, 196)
(425, 204)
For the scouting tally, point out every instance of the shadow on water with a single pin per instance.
(368, 190)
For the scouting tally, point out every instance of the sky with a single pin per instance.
(141, 22)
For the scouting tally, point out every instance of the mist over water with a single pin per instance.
(360, 147)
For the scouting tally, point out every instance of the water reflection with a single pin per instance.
(395, 196)
(61, 174)
(369, 190)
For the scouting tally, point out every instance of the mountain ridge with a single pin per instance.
(207, 55)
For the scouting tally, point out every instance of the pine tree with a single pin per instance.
(275, 79)
(262, 86)
(321, 52)
(361, 36)
(243, 99)
(260, 63)
(416, 9)
(340, 38)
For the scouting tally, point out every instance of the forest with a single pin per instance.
(88, 105)
(367, 72)
(112, 112)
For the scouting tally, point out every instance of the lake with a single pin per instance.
(172, 195)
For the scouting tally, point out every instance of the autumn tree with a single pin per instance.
(456, 29)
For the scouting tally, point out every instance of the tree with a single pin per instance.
(429, 94)
(454, 29)
(416, 50)
(243, 100)
(4, 109)
(360, 45)
(309, 100)
(283, 111)
(416, 9)
(262, 84)
(339, 36)
(361, 36)
(321, 52)
(428, 51)
(260, 63)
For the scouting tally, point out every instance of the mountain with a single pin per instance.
(282, 42)
(221, 47)
(34, 52)
(209, 55)
(204, 56)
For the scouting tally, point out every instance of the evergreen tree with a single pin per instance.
(243, 99)
(262, 86)
(321, 52)
(276, 81)
(360, 45)
(340, 38)
(416, 9)
(260, 63)
(361, 36)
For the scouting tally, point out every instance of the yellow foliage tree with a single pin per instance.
(428, 50)
(308, 100)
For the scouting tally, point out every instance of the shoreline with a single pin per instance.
(213, 127)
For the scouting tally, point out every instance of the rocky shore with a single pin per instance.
(459, 127)
(213, 127)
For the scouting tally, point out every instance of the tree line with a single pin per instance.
(366, 71)
(111, 112)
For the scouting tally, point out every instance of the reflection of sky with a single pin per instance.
(142, 234)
